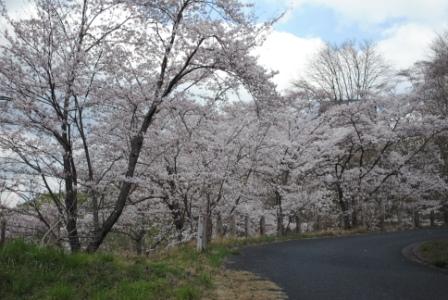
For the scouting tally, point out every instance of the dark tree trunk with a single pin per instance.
(232, 229)
(209, 228)
(298, 224)
(246, 226)
(71, 206)
(280, 227)
(2, 232)
(139, 244)
(178, 218)
(317, 225)
(355, 213)
(262, 225)
(382, 217)
(126, 185)
(432, 218)
(417, 219)
(445, 216)
(344, 208)
(382, 223)
(355, 218)
(219, 227)
(125, 189)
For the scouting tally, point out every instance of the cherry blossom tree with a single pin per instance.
(430, 85)
(346, 72)
(89, 78)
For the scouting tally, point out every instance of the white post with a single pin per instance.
(201, 244)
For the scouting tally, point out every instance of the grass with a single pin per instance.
(32, 272)
(236, 243)
(435, 252)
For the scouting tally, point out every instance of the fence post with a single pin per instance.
(201, 240)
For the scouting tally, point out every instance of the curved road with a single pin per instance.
(358, 267)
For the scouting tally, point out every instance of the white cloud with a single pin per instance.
(402, 44)
(406, 44)
(288, 54)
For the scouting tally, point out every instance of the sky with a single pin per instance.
(401, 29)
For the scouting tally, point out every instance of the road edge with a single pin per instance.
(412, 253)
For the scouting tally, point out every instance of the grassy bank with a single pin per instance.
(32, 272)
(435, 252)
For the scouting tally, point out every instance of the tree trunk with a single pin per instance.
(246, 226)
(382, 217)
(139, 244)
(344, 208)
(219, 227)
(71, 204)
(400, 216)
(262, 226)
(445, 215)
(126, 185)
(298, 224)
(232, 229)
(209, 228)
(280, 228)
(355, 213)
(2, 232)
(417, 219)
(432, 218)
(317, 225)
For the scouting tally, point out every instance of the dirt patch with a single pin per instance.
(237, 285)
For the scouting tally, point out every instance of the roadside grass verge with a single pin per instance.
(235, 243)
(435, 253)
(29, 271)
(32, 272)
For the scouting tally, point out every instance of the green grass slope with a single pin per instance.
(32, 272)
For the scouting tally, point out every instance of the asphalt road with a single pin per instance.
(358, 267)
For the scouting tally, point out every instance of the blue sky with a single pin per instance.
(317, 21)
(328, 20)
(401, 29)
